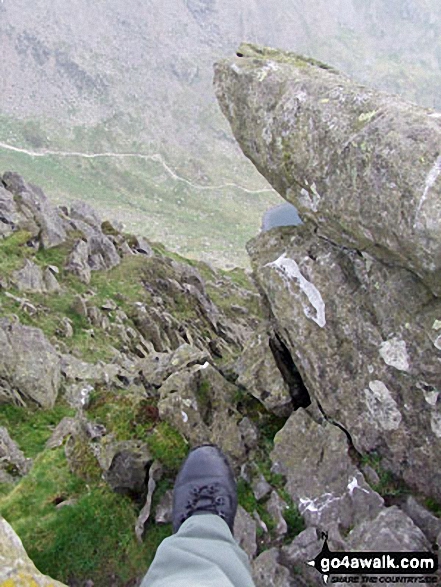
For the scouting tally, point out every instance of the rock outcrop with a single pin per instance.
(353, 292)
(29, 366)
(361, 165)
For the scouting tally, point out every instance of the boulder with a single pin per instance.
(80, 210)
(198, 402)
(125, 465)
(391, 531)
(245, 531)
(66, 427)
(267, 572)
(157, 367)
(35, 206)
(9, 215)
(31, 278)
(13, 463)
(362, 165)
(364, 337)
(425, 520)
(276, 507)
(259, 375)
(77, 261)
(29, 366)
(337, 492)
(16, 568)
(164, 509)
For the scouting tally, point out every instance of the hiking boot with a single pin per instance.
(205, 485)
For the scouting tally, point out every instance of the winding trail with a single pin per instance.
(157, 157)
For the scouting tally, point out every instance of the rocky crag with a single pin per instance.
(117, 357)
(352, 295)
(321, 385)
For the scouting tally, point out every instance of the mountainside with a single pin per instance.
(136, 77)
(118, 356)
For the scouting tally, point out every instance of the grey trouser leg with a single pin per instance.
(203, 553)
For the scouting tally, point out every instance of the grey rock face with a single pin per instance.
(267, 572)
(245, 531)
(35, 206)
(337, 492)
(29, 366)
(80, 210)
(9, 216)
(64, 428)
(164, 509)
(31, 278)
(426, 521)
(258, 373)
(391, 530)
(362, 165)
(77, 262)
(364, 337)
(276, 507)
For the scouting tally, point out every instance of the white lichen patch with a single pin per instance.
(435, 423)
(310, 198)
(290, 271)
(266, 69)
(184, 416)
(353, 484)
(382, 406)
(436, 325)
(394, 353)
(431, 178)
(317, 505)
(431, 397)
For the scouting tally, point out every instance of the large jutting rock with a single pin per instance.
(29, 366)
(363, 165)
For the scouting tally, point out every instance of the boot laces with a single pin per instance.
(205, 498)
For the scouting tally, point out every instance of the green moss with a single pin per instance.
(124, 413)
(245, 496)
(260, 52)
(433, 506)
(389, 485)
(168, 446)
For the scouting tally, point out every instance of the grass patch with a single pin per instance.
(13, 251)
(125, 414)
(92, 539)
(31, 428)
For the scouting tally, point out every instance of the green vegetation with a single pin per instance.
(168, 446)
(32, 428)
(389, 486)
(125, 414)
(82, 540)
